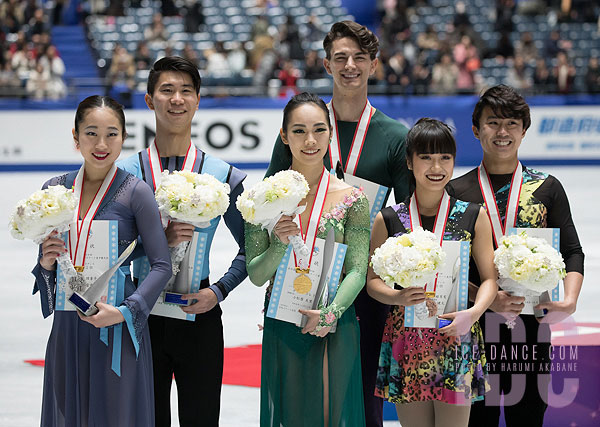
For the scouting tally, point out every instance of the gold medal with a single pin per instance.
(79, 268)
(429, 294)
(302, 284)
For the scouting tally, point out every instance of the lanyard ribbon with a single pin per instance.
(499, 229)
(79, 236)
(441, 218)
(156, 166)
(358, 141)
(309, 235)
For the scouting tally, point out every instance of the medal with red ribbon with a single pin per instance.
(441, 218)
(302, 283)
(358, 141)
(79, 232)
(512, 207)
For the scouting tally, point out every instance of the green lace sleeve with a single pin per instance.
(357, 232)
(263, 254)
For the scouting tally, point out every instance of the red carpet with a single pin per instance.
(241, 366)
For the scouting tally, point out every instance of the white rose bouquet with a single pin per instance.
(191, 198)
(532, 264)
(45, 211)
(412, 259)
(277, 195)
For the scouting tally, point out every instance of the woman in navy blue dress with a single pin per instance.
(98, 369)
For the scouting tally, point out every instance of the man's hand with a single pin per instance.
(205, 298)
(507, 305)
(557, 311)
(178, 232)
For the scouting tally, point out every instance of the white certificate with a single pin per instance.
(552, 236)
(290, 295)
(193, 262)
(102, 252)
(375, 193)
(452, 289)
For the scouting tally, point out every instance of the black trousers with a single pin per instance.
(193, 352)
(518, 370)
(371, 319)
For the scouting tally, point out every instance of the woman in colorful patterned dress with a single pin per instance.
(311, 377)
(433, 374)
(98, 369)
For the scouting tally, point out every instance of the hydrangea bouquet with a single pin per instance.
(277, 195)
(191, 198)
(412, 259)
(45, 211)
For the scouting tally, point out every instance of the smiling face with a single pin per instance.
(174, 101)
(500, 137)
(349, 66)
(432, 171)
(307, 134)
(99, 137)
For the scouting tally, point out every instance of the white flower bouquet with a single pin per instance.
(191, 198)
(532, 265)
(277, 195)
(412, 259)
(45, 211)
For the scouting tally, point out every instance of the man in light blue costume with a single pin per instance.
(190, 350)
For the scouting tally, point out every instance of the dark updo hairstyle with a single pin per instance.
(366, 40)
(505, 102)
(176, 64)
(295, 102)
(97, 101)
(429, 136)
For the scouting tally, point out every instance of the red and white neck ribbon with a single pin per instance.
(441, 218)
(79, 232)
(309, 234)
(358, 141)
(512, 207)
(156, 166)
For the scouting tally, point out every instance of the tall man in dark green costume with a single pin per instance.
(370, 149)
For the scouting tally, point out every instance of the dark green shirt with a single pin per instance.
(383, 158)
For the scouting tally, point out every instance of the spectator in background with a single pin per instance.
(193, 17)
(190, 54)
(563, 73)
(555, 43)
(289, 38)
(421, 76)
(444, 76)
(288, 76)
(313, 66)
(504, 47)
(56, 67)
(168, 8)
(592, 76)
(216, 61)
(22, 61)
(428, 40)
(467, 60)
(9, 81)
(38, 83)
(394, 23)
(237, 57)
(38, 23)
(57, 12)
(143, 57)
(260, 28)
(12, 13)
(156, 33)
(29, 10)
(505, 9)
(121, 76)
(518, 76)
(526, 48)
(398, 73)
(314, 29)
(542, 78)
(461, 19)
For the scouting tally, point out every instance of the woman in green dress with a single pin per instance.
(311, 376)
